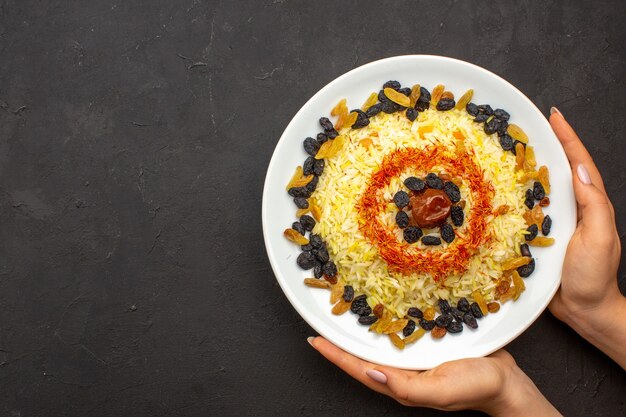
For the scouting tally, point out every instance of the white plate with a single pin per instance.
(495, 330)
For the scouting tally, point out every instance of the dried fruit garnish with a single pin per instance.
(542, 241)
(518, 284)
(395, 326)
(529, 158)
(544, 178)
(336, 293)
(519, 156)
(302, 212)
(330, 148)
(429, 313)
(438, 332)
(296, 176)
(447, 94)
(340, 308)
(415, 336)
(534, 216)
(397, 97)
(351, 118)
(500, 210)
(339, 107)
(517, 133)
(493, 307)
(545, 202)
(397, 341)
(465, 98)
(295, 237)
(478, 297)
(315, 211)
(371, 100)
(515, 263)
(316, 283)
(436, 94)
(415, 95)
(378, 310)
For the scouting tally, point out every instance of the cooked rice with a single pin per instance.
(346, 177)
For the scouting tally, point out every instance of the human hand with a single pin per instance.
(495, 384)
(589, 299)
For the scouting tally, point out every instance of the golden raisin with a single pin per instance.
(517, 133)
(397, 97)
(515, 263)
(338, 109)
(478, 297)
(296, 176)
(429, 313)
(493, 307)
(544, 178)
(315, 211)
(518, 284)
(519, 156)
(415, 94)
(542, 241)
(341, 307)
(350, 119)
(378, 310)
(397, 341)
(500, 210)
(295, 237)
(438, 332)
(544, 202)
(436, 94)
(371, 100)
(395, 326)
(336, 292)
(447, 94)
(301, 212)
(529, 158)
(415, 336)
(502, 287)
(316, 283)
(330, 148)
(465, 98)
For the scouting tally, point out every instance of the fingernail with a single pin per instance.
(583, 174)
(310, 340)
(377, 376)
(555, 110)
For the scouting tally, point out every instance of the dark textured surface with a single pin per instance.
(134, 138)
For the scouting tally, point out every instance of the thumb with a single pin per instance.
(593, 203)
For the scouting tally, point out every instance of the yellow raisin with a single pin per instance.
(515, 263)
(336, 291)
(371, 100)
(438, 332)
(529, 158)
(462, 202)
(544, 178)
(493, 307)
(295, 237)
(338, 109)
(527, 176)
(330, 148)
(341, 307)
(296, 176)
(436, 94)
(397, 97)
(502, 288)
(315, 211)
(429, 313)
(415, 336)
(465, 98)
(378, 310)
(316, 283)
(534, 216)
(397, 341)
(542, 241)
(500, 210)
(395, 326)
(478, 297)
(350, 119)
(383, 322)
(415, 94)
(447, 94)
(518, 284)
(516, 132)
(302, 212)
(519, 156)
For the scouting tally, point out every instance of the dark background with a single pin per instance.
(134, 139)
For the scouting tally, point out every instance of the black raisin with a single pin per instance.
(321, 138)
(424, 94)
(311, 146)
(316, 241)
(312, 185)
(546, 225)
(524, 271)
(318, 167)
(299, 192)
(358, 303)
(367, 320)
(447, 232)
(414, 184)
(306, 248)
(392, 84)
(476, 311)
(525, 250)
(317, 270)
(538, 191)
(470, 320)
(409, 328)
(329, 269)
(301, 202)
(503, 127)
(456, 313)
(443, 320)
(433, 181)
(321, 254)
(481, 118)
(389, 107)
(402, 219)
(411, 114)
(361, 121)
(444, 307)
(297, 226)
(530, 203)
(471, 109)
(453, 192)
(446, 104)
(422, 105)
(374, 110)
(348, 293)
(415, 312)
(492, 126)
(454, 327)
(463, 304)
(401, 199)
(533, 230)
(412, 234)
(427, 324)
(501, 114)
(431, 240)
(307, 222)
(485, 109)
(326, 124)
(406, 91)
(307, 166)
(457, 215)
(332, 134)
(506, 142)
(306, 260)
